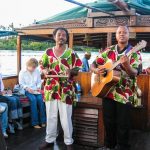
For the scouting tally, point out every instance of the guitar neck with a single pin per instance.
(118, 62)
(115, 64)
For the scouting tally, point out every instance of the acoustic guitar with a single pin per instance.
(101, 84)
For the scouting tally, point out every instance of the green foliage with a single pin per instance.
(11, 43)
(8, 43)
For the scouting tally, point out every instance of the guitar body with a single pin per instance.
(100, 84)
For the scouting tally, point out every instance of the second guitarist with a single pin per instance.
(118, 102)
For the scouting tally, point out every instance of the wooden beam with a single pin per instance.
(83, 30)
(109, 39)
(71, 40)
(73, 30)
(139, 29)
(116, 13)
(35, 31)
(18, 54)
(107, 29)
(44, 36)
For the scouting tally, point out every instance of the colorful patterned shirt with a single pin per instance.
(125, 91)
(60, 88)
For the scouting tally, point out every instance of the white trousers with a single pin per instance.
(65, 112)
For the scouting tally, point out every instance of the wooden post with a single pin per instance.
(18, 54)
(71, 40)
(109, 39)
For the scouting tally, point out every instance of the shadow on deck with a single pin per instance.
(30, 139)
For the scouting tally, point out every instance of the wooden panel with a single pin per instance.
(87, 111)
(143, 20)
(88, 124)
(91, 100)
(144, 85)
(10, 82)
(85, 125)
(111, 21)
(84, 79)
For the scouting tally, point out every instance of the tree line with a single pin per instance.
(11, 42)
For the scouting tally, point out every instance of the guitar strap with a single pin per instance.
(128, 48)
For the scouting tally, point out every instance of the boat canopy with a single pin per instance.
(7, 33)
(141, 6)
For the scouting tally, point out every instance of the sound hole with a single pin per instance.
(105, 73)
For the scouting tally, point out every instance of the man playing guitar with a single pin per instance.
(118, 102)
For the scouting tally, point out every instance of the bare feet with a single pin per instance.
(37, 127)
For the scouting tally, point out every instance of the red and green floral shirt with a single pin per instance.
(60, 88)
(125, 90)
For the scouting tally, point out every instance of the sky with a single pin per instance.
(24, 12)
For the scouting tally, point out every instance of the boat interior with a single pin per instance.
(87, 120)
(96, 30)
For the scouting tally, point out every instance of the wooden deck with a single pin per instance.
(30, 139)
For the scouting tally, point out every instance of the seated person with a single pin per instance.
(85, 66)
(3, 111)
(14, 108)
(30, 79)
(146, 71)
(4, 118)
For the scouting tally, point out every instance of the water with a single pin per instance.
(8, 59)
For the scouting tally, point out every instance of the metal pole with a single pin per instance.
(89, 7)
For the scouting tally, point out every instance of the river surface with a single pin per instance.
(8, 59)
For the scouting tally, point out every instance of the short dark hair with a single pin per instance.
(61, 28)
(123, 26)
